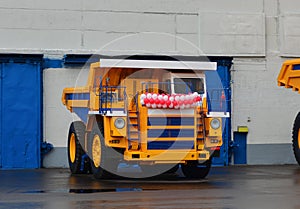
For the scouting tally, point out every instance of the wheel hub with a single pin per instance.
(96, 151)
(72, 148)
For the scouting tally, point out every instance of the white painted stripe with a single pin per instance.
(164, 112)
(94, 113)
(113, 113)
(123, 63)
(218, 114)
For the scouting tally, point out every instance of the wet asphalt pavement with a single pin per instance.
(255, 187)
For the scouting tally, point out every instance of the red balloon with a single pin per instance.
(151, 101)
(168, 102)
(175, 103)
(180, 102)
(162, 102)
(157, 101)
(146, 100)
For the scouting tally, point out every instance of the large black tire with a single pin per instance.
(296, 138)
(104, 160)
(173, 169)
(194, 170)
(75, 151)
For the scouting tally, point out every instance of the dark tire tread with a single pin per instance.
(194, 170)
(296, 128)
(78, 128)
(107, 153)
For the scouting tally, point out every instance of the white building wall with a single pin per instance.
(258, 34)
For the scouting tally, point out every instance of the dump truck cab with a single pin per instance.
(145, 112)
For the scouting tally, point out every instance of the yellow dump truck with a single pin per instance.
(149, 113)
(289, 77)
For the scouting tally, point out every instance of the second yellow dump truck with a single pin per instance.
(289, 77)
(147, 112)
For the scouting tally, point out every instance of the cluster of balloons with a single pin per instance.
(176, 101)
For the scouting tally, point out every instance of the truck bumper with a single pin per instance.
(166, 156)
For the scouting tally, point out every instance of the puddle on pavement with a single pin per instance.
(34, 192)
(85, 191)
(88, 191)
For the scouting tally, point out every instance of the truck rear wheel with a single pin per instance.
(296, 138)
(194, 170)
(75, 151)
(102, 162)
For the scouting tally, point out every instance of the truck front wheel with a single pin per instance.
(77, 162)
(296, 138)
(194, 170)
(102, 162)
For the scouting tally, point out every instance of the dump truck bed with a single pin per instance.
(289, 75)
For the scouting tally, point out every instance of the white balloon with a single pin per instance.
(154, 96)
(149, 96)
(143, 96)
(171, 98)
(166, 98)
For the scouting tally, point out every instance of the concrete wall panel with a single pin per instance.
(171, 6)
(128, 22)
(43, 39)
(290, 35)
(187, 24)
(42, 5)
(40, 20)
(232, 34)
(188, 44)
(57, 118)
(149, 43)
(289, 6)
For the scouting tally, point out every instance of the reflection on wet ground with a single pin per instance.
(225, 187)
(84, 191)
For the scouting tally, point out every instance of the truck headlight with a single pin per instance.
(119, 123)
(215, 123)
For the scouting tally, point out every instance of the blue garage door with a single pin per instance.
(20, 106)
(219, 93)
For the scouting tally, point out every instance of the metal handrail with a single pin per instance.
(106, 97)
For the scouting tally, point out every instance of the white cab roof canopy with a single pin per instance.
(189, 65)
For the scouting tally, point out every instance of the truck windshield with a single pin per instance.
(192, 85)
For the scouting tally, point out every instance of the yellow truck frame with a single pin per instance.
(130, 112)
(289, 77)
